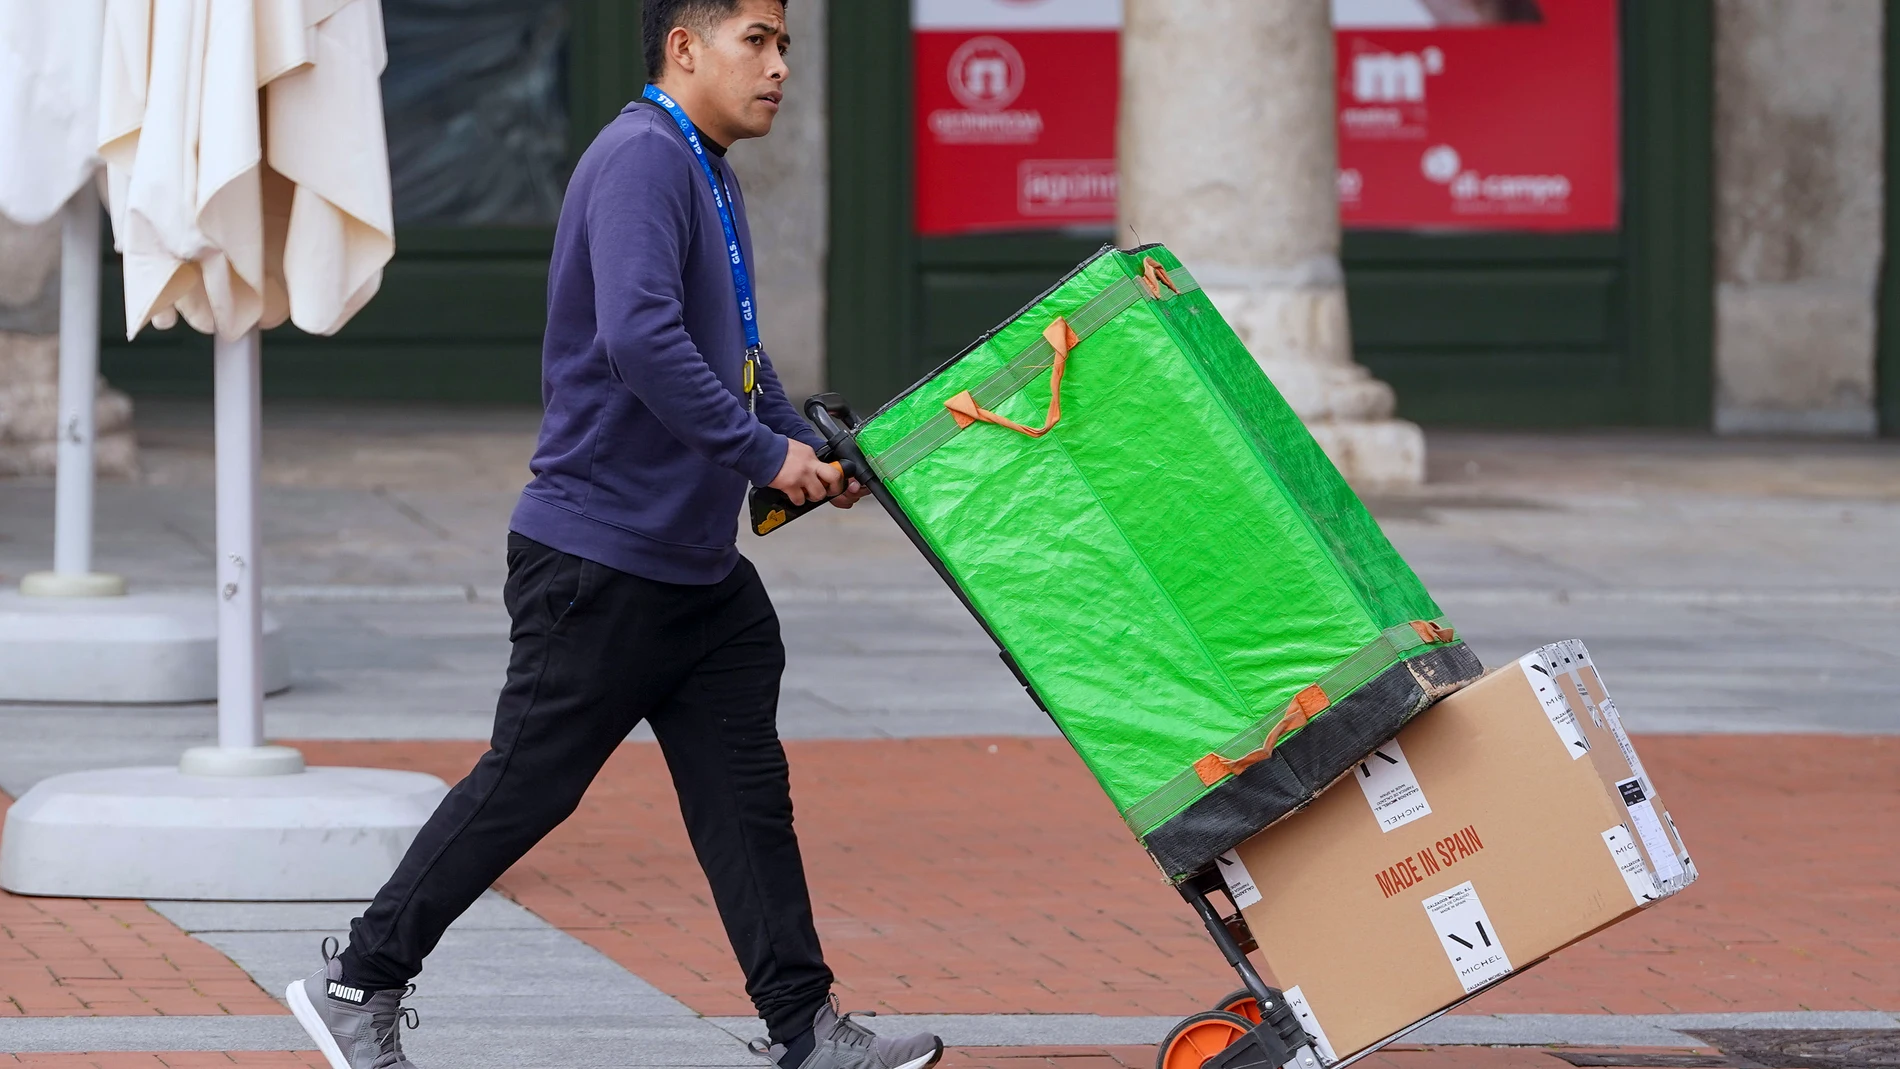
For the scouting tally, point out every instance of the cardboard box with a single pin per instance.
(1509, 820)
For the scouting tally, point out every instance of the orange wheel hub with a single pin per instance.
(1241, 1003)
(1192, 1042)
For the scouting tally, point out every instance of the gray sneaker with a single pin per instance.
(842, 1043)
(354, 1028)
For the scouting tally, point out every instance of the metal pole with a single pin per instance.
(1196, 896)
(237, 375)
(78, 378)
(237, 402)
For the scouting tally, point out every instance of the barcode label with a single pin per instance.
(1556, 708)
(1662, 853)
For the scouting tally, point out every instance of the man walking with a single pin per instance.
(628, 597)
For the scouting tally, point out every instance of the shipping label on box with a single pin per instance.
(1467, 936)
(1668, 860)
(1386, 779)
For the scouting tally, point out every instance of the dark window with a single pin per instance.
(476, 101)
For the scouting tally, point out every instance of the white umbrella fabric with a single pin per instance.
(234, 209)
(49, 73)
(248, 181)
(49, 84)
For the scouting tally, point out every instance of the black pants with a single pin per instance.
(595, 652)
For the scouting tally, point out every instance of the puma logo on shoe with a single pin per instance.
(345, 993)
(353, 1027)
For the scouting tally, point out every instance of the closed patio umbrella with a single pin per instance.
(237, 209)
(248, 185)
(248, 180)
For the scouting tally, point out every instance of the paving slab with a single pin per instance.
(503, 988)
(525, 1041)
(490, 913)
(1500, 1029)
(1009, 1032)
(170, 1059)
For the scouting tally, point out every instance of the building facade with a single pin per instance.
(1717, 260)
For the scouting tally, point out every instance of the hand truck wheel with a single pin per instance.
(1240, 1003)
(1192, 1042)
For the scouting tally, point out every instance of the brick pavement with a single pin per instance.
(1393, 1057)
(1798, 906)
(1129, 1057)
(985, 876)
(1407, 1056)
(83, 957)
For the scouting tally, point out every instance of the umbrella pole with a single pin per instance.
(240, 602)
(237, 415)
(78, 378)
(72, 575)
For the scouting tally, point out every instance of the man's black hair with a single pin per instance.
(658, 17)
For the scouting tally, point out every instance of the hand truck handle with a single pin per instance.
(832, 415)
(771, 509)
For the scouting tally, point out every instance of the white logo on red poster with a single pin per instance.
(1494, 194)
(1352, 183)
(1394, 77)
(1066, 187)
(1387, 91)
(986, 75)
(1440, 163)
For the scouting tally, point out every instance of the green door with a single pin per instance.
(1503, 329)
(1887, 358)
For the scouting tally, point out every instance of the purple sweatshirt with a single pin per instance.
(646, 445)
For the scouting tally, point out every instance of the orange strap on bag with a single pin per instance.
(1306, 705)
(1062, 339)
(1154, 276)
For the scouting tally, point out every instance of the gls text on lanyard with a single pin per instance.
(741, 282)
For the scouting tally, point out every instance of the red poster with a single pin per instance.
(1452, 114)
(1015, 113)
(1501, 117)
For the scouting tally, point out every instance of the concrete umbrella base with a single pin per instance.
(136, 648)
(321, 834)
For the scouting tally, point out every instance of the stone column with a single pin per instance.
(1229, 157)
(29, 362)
(784, 176)
(1798, 176)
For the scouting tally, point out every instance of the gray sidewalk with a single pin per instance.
(1724, 585)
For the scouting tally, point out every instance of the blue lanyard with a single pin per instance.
(741, 282)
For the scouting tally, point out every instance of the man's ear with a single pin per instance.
(679, 48)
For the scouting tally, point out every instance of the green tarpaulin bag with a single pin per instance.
(1172, 566)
